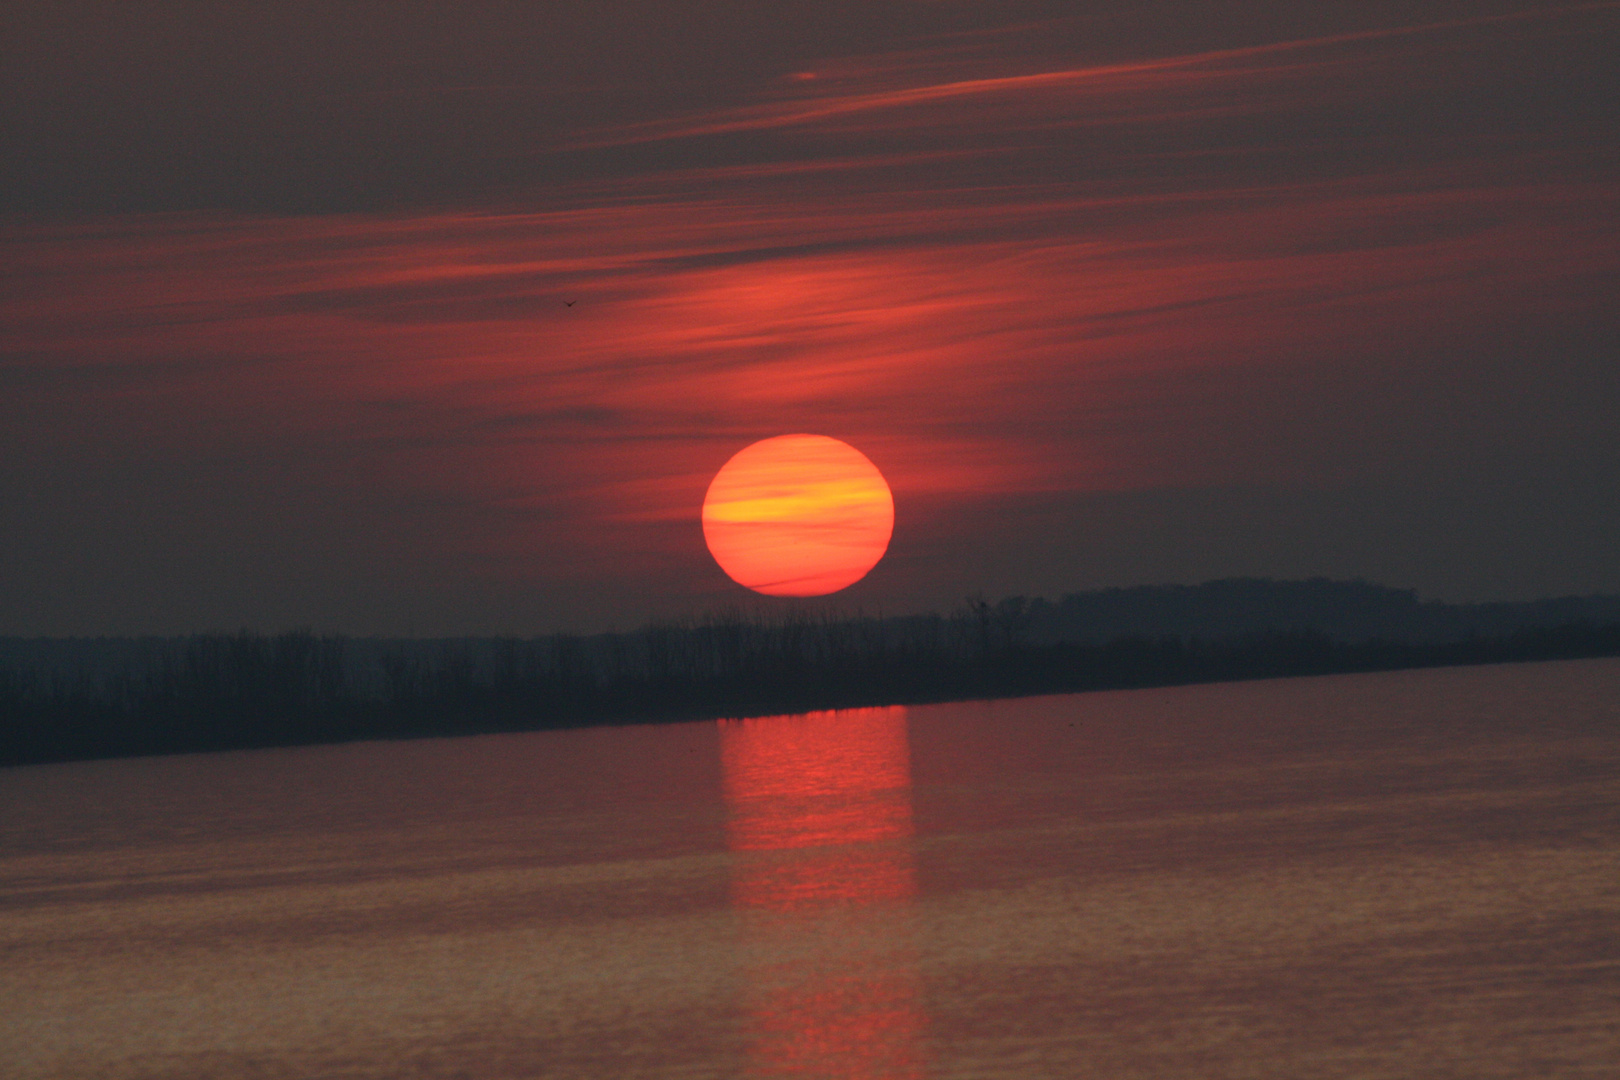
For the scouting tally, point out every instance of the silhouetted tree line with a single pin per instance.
(1344, 610)
(231, 691)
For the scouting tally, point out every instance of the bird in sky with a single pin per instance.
(569, 303)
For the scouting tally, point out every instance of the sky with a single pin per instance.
(1112, 295)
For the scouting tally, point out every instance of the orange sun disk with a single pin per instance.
(798, 515)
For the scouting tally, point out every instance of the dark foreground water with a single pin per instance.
(1413, 874)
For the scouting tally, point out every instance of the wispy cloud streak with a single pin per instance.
(1171, 72)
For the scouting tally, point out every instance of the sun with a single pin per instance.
(798, 515)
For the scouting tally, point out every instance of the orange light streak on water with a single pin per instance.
(819, 818)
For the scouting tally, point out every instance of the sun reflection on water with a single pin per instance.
(819, 816)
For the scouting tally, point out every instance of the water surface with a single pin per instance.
(1392, 875)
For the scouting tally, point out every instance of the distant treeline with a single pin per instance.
(67, 699)
(1343, 610)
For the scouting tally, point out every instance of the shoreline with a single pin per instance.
(249, 691)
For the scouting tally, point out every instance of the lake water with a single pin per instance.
(1392, 875)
